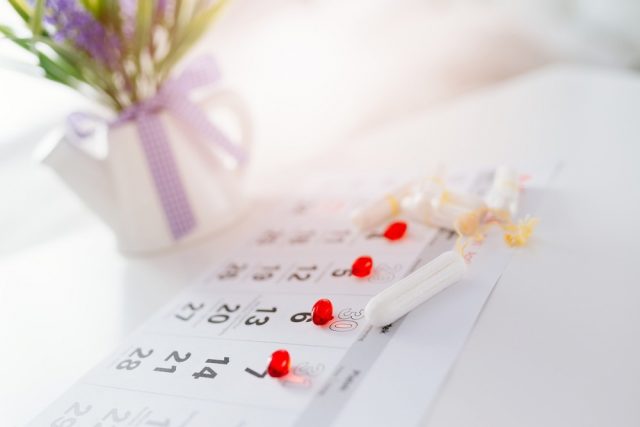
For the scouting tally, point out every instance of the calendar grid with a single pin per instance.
(202, 359)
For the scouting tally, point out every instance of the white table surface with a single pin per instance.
(558, 343)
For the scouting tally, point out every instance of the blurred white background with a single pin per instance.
(315, 73)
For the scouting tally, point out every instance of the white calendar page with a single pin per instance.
(201, 361)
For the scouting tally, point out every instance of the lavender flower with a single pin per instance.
(72, 23)
(128, 50)
(128, 10)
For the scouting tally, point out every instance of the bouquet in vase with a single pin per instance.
(171, 174)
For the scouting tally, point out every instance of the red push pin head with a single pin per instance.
(279, 364)
(395, 230)
(362, 266)
(322, 312)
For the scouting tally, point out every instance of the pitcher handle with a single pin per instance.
(236, 104)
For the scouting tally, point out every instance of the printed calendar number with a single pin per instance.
(301, 317)
(77, 415)
(71, 415)
(260, 320)
(308, 369)
(208, 372)
(227, 308)
(63, 422)
(300, 208)
(232, 271)
(128, 364)
(188, 311)
(336, 236)
(349, 314)
(177, 358)
(268, 237)
(265, 272)
(135, 359)
(301, 237)
(222, 313)
(253, 320)
(205, 372)
(342, 272)
(256, 374)
(172, 361)
(138, 352)
(78, 410)
(115, 416)
(343, 325)
(374, 235)
(302, 273)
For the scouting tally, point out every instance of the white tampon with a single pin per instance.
(418, 287)
(418, 206)
(380, 210)
(462, 201)
(504, 192)
(433, 211)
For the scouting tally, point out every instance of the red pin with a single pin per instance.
(362, 266)
(322, 312)
(279, 364)
(395, 230)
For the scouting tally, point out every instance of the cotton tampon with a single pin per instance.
(418, 206)
(418, 287)
(463, 201)
(380, 210)
(504, 192)
(441, 210)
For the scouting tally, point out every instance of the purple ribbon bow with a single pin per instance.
(173, 97)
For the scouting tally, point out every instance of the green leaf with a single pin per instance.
(44, 60)
(57, 71)
(87, 70)
(193, 32)
(144, 23)
(54, 71)
(36, 18)
(69, 68)
(10, 35)
(22, 8)
(72, 62)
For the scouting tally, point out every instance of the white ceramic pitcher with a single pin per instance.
(119, 186)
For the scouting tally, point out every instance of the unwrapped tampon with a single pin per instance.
(418, 287)
(440, 210)
(505, 191)
(380, 210)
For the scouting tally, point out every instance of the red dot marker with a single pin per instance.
(279, 364)
(322, 312)
(362, 266)
(395, 230)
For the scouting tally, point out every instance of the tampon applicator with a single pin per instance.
(415, 289)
